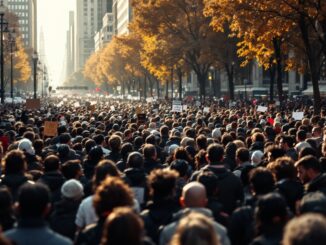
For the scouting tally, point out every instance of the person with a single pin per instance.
(150, 156)
(111, 193)
(124, 226)
(33, 206)
(26, 146)
(230, 188)
(52, 177)
(287, 143)
(195, 229)
(7, 218)
(14, 172)
(86, 214)
(159, 210)
(271, 216)
(115, 142)
(62, 219)
(305, 230)
(309, 173)
(313, 202)
(193, 199)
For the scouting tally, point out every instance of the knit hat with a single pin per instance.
(72, 189)
(26, 146)
(257, 157)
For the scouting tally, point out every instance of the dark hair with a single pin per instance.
(181, 166)
(14, 162)
(6, 210)
(201, 142)
(126, 149)
(135, 160)
(306, 151)
(33, 199)
(123, 226)
(215, 153)
(104, 169)
(261, 180)
(70, 169)
(313, 202)
(51, 163)
(309, 162)
(210, 181)
(115, 143)
(301, 135)
(64, 138)
(243, 154)
(149, 151)
(162, 183)
(112, 193)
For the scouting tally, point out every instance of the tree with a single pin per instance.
(293, 30)
(182, 26)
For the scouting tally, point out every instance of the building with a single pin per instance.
(105, 34)
(70, 45)
(26, 11)
(122, 13)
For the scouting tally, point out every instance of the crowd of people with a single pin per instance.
(121, 172)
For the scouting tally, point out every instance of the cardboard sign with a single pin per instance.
(138, 110)
(50, 128)
(33, 104)
(298, 116)
(206, 110)
(262, 108)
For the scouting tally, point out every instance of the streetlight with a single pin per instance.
(12, 42)
(2, 25)
(35, 59)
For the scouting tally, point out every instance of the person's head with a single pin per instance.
(271, 211)
(149, 152)
(162, 183)
(33, 200)
(195, 229)
(193, 195)
(261, 181)
(201, 142)
(123, 226)
(181, 166)
(308, 168)
(301, 135)
(51, 163)
(104, 169)
(257, 157)
(313, 202)
(274, 152)
(115, 143)
(242, 155)
(283, 168)
(110, 194)
(26, 146)
(72, 169)
(215, 153)
(135, 160)
(210, 181)
(305, 230)
(286, 142)
(72, 189)
(14, 162)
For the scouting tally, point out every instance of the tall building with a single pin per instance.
(26, 11)
(70, 45)
(122, 16)
(105, 31)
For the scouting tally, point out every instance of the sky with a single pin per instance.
(53, 19)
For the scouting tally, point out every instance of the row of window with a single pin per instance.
(17, 7)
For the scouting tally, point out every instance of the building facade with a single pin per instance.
(26, 11)
(122, 13)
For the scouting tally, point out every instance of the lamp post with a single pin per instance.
(2, 24)
(35, 59)
(12, 42)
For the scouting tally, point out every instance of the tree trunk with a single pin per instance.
(278, 57)
(312, 64)
(166, 90)
(180, 84)
(272, 81)
(145, 87)
(230, 74)
(202, 86)
(158, 88)
(172, 84)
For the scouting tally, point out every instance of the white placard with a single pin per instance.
(65, 99)
(262, 108)
(206, 110)
(112, 108)
(76, 104)
(176, 108)
(184, 107)
(149, 100)
(93, 102)
(298, 116)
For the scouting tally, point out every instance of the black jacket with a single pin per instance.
(317, 184)
(150, 165)
(13, 182)
(92, 234)
(230, 189)
(62, 219)
(136, 179)
(158, 214)
(54, 180)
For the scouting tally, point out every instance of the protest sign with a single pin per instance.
(262, 108)
(298, 116)
(206, 110)
(50, 128)
(176, 106)
(33, 104)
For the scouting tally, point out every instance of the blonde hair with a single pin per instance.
(195, 229)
